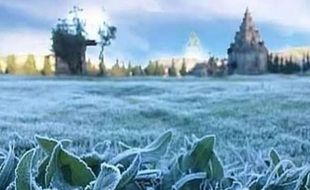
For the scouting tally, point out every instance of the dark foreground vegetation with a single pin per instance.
(49, 165)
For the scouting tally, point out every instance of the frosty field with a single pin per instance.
(249, 115)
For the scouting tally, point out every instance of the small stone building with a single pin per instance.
(248, 54)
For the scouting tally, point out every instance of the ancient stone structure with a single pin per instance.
(248, 54)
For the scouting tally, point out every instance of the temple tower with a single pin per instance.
(248, 54)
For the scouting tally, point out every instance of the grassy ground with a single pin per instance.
(247, 114)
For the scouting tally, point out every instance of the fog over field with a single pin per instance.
(249, 115)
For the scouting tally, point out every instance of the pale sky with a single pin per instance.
(154, 28)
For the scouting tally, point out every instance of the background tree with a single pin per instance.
(159, 69)
(69, 44)
(29, 67)
(270, 63)
(117, 70)
(137, 71)
(183, 70)
(282, 63)
(47, 68)
(11, 65)
(308, 62)
(172, 70)
(102, 69)
(107, 33)
(276, 65)
(91, 68)
(150, 69)
(129, 69)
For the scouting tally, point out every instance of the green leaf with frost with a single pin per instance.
(71, 168)
(23, 180)
(275, 159)
(40, 177)
(216, 168)
(108, 178)
(48, 144)
(151, 153)
(197, 159)
(7, 171)
(190, 181)
(130, 173)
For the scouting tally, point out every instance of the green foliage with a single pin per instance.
(137, 71)
(102, 69)
(23, 179)
(190, 181)
(196, 167)
(12, 67)
(154, 69)
(117, 70)
(74, 171)
(172, 70)
(150, 69)
(129, 175)
(159, 69)
(69, 47)
(29, 67)
(7, 169)
(183, 70)
(47, 67)
(276, 64)
(150, 153)
(108, 178)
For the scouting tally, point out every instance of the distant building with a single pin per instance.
(212, 67)
(248, 54)
(193, 54)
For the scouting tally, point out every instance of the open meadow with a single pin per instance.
(249, 115)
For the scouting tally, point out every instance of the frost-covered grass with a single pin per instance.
(249, 115)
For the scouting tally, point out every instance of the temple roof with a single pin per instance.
(193, 47)
(248, 32)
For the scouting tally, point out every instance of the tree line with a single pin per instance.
(28, 68)
(154, 68)
(278, 64)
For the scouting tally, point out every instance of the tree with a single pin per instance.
(270, 63)
(307, 62)
(159, 69)
(282, 64)
(276, 65)
(117, 70)
(107, 33)
(11, 65)
(172, 70)
(29, 67)
(129, 69)
(183, 70)
(47, 68)
(137, 71)
(150, 69)
(102, 69)
(69, 44)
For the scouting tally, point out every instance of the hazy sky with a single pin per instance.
(155, 28)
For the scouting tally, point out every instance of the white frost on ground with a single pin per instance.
(245, 113)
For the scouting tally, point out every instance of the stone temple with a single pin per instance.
(248, 54)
